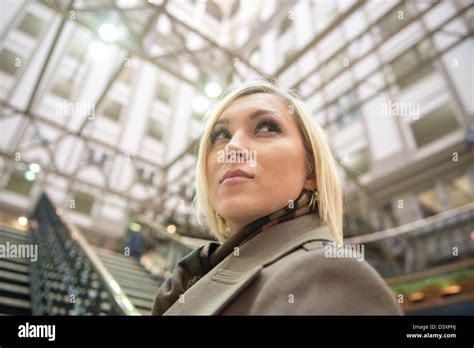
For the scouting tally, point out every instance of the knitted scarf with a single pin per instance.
(201, 260)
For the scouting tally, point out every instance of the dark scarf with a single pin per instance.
(201, 260)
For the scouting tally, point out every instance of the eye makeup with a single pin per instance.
(272, 125)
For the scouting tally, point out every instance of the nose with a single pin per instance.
(236, 145)
(237, 142)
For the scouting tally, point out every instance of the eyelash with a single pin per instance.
(270, 123)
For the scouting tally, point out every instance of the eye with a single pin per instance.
(268, 125)
(221, 133)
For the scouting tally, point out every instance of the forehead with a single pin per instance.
(251, 102)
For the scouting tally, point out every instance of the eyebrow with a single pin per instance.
(253, 115)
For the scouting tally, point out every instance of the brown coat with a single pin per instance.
(283, 271)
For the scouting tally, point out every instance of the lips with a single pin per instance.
(235, 173)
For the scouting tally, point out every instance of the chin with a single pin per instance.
(237, 206)
(237, 194)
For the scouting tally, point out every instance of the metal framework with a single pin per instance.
(141, 24)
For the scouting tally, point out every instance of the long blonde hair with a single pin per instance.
(322, 162)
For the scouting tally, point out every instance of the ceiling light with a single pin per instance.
(22, 221)
(34, 167)
(109, 32)
(213, 89)
(30, 176)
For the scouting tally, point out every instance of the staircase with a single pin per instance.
(68, 275)
(138, 284)
(14, 276)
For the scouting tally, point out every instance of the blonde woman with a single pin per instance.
(269, 189)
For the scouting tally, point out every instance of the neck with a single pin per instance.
(240, 235)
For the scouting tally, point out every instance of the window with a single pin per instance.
(395, 18)
(172, 63)
(429, 202)
(163, 93)
(112, 109)
(345, 109)
(155, 129)
(214, 10)
(434, 125)
(9, 61)
(126, 75)
(83, 202)
(77, 48)
(460, 191)
(284, 26)
(96, 157)
(359, 161)
(412, 65)
(19, 184)
(62, 87)
(31, 25)
(334, 65)
(288, 54)
(235, 8)
(146, 175)
(326, 12)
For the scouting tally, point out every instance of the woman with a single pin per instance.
(268, 186)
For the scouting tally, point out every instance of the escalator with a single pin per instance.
(14, 276)
(67, 276)
(138, 284)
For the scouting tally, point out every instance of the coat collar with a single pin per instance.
(225, 281)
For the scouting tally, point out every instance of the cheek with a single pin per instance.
(283, 165)
(211, 168)
(209, 165)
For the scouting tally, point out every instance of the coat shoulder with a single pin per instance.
(310, 281)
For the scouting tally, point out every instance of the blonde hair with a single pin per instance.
(322, 162)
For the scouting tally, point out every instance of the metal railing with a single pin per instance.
(69, 278)
(422, 244)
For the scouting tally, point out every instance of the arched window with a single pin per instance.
(214, 10)
(285, 24)
(235, 8)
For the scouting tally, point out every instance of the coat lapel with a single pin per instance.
(225, 281)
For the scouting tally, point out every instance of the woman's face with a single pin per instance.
(257, 161)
